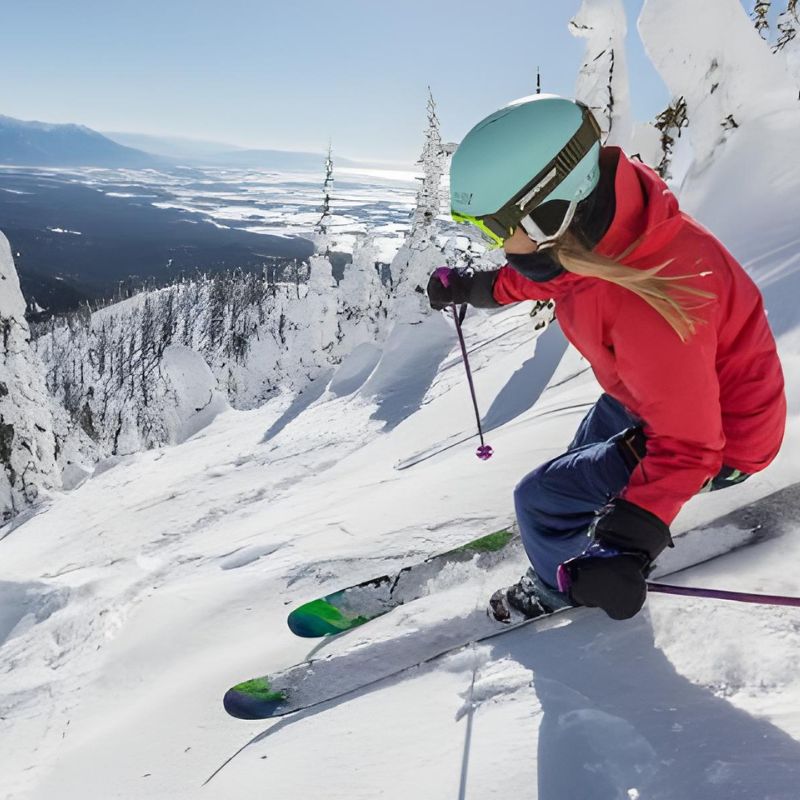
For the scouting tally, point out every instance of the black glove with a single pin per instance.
(611, 572)
(447, 286)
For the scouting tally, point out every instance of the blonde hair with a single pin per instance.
(662, 293)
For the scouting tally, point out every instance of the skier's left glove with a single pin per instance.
(463, 285)
(611, 572)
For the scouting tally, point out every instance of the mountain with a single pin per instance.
(219, 154)
(173, 147)
(274, 159)
(44, 144)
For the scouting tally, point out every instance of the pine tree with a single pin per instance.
(787, 26)
(759, 16)
(322, 226)
(670, 122)
(433, 167)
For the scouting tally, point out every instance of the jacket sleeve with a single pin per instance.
(512, 287)
(676, 388)
(481, 292)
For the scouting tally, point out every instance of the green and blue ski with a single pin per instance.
(327, 678)
(348, 608)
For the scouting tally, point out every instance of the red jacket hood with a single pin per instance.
(645, 207)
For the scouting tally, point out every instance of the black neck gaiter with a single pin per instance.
(538, 266)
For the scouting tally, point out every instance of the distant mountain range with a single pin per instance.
(44, 145)
(196, 152)
(50, 145)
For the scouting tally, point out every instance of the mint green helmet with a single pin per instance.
(535, 150)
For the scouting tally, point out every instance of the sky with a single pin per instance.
(293, 75)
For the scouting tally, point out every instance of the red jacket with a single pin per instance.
(716, 398)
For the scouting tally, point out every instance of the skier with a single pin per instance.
(673, 327)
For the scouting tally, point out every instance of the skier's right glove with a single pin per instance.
(448, 286)
(611, 573)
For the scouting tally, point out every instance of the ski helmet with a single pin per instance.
(535, 150)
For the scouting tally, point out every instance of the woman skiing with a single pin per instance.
(673, 327)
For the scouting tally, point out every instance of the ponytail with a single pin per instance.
(664, 294)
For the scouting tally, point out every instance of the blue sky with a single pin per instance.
(292, 75)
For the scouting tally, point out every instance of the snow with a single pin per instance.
(129, 604)
(194, 389)
(718, 63)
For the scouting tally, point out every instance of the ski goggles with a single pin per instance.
(500, 225)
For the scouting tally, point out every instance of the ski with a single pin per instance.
(318, 681)
(351, 607)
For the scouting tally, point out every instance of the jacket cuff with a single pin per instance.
(482, 290)
(629, 527)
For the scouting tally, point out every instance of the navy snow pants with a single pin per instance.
(557, 502)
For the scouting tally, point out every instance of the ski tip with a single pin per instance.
(253, 700)
(320, 618)
(307, 625)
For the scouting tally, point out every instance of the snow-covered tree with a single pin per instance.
(27, 443)
(434, 164)
(760, 15)
(603, 78)
(420, 253)
(670, 122)
(787, 44)
(362, 297)
(787, 24)
(322, 228)
(726, 73)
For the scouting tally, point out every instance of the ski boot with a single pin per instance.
(528, 598)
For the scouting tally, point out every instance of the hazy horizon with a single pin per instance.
(295, 77)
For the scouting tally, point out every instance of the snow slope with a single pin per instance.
(136, 600)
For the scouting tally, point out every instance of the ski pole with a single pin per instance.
(724, 594)
(484, 452)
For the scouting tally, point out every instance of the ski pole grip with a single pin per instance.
(443, 275)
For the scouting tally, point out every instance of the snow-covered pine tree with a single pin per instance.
(759, 16)
(787, 24)
(603, 78)
(690, 48)
(420, 253)
(362, 297)
(429, 194)
(322, 228)
(670, 123)
(27, 443)
(788, 42)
